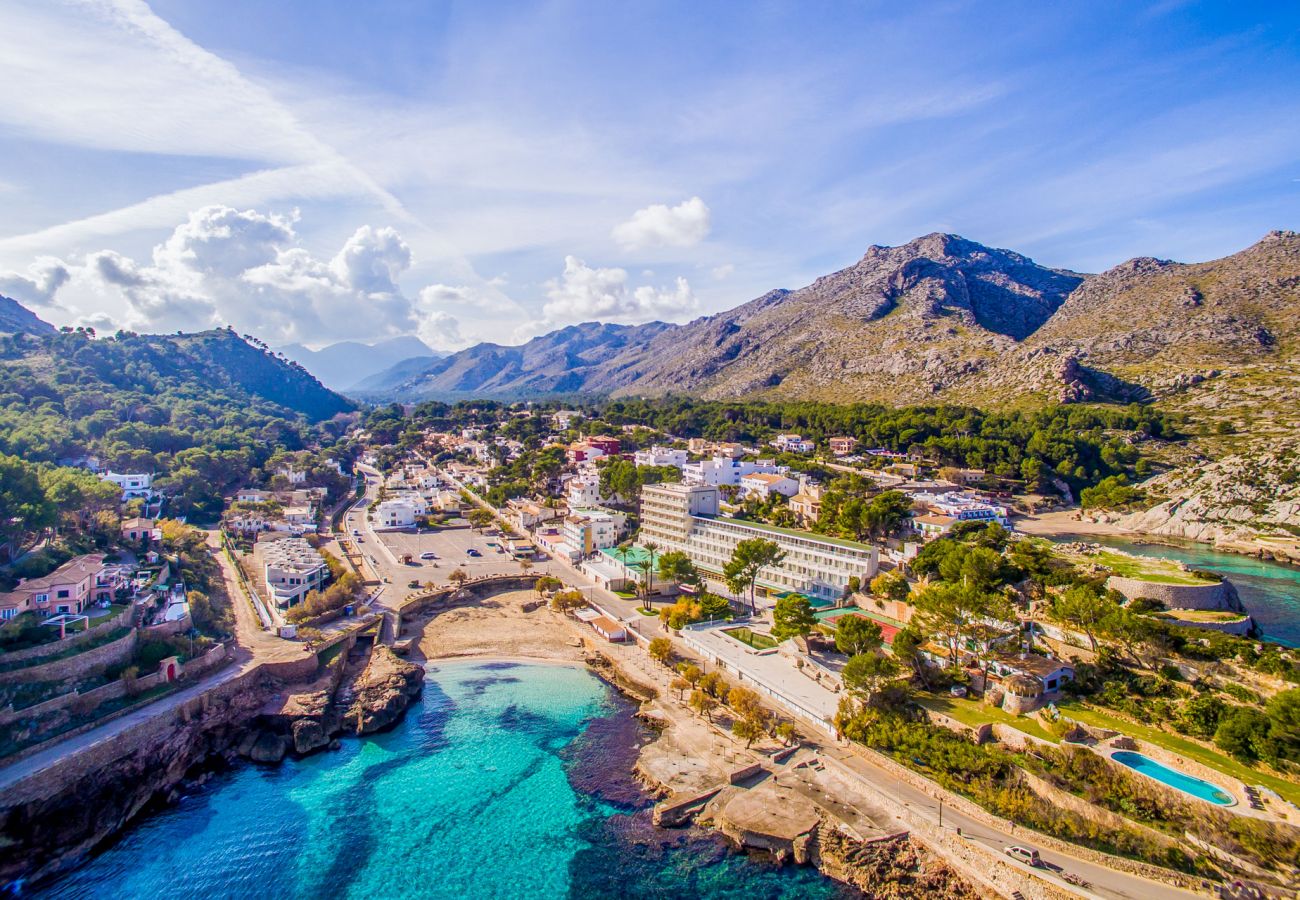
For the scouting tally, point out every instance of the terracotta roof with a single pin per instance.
(71, 571)
(606, 625)
(764, 477)
(936, 520)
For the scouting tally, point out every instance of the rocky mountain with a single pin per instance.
(944, 319)
(562, 361)
(16, 318)
(348, 363)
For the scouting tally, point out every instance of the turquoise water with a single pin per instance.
(503, 781)
(1175, 779)
(1270, 590)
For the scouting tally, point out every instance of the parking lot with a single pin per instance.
(452, 546)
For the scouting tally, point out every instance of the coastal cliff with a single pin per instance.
(51, 820)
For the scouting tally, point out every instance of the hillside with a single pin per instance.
(15, 318)
(348, 363)
(563, 361)
(67, 394)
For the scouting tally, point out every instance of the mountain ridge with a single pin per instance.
(16, 318)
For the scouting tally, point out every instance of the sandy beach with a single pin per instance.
(496, 628)
(1067, 521)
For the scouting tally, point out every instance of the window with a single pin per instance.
(8, 613)
(62, 594)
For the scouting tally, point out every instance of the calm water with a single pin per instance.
(504, 781)
(1270, 590)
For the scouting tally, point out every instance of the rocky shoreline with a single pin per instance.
(51, 822)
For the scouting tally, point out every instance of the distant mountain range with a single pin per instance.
(16, 318)
(939, 319)
(346, 364)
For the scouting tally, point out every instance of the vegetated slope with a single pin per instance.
(15, 318)
(559, 362)
(65, 393)
(345, 364)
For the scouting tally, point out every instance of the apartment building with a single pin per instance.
(722, 470)
(762, 485)
(685, 517)
(660, 456)
(291, 567)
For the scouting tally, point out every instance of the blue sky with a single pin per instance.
(315, 171)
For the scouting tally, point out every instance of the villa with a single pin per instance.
(68, 589)
(291, 567)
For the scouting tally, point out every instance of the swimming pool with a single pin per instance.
(1186, 783)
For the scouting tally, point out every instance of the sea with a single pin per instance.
(505, 780)
(1269, 590)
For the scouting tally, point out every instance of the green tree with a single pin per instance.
(1200, 716)
(907, 650)
(793, 617)
(892, 585)
(747, 730)
(676, 566)
(703, 703)
(865, 674)
(749, 559)
(855, 635)
(1081, 606)
(480, 518)
(1243, 733)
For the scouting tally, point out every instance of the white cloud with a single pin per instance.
(246, 268)
(583, 293)
(43, 279)
(683, 225)
(723, 272)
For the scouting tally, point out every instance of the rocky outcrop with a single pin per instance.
(378, 697)
(888, 869)
(1246, 503)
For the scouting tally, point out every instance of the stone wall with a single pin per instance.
(979, 734)
(184, 623)
(1103, 817)
(79, 665)
(478, 589)
(1211, 595)
(121, 620)
(1240, 627)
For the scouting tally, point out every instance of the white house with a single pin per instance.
(582, 492)
(396, 513)
(763, 485)
(660, 456)
(792, 443)
(295, 476)
(132, 485)
(252, 495)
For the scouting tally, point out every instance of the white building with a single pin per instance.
(133, 485)
(294, 476)
(589, 530)
(292, 567)
(792, 443)
(763, 485)
(685, 517)
(399, 513)
(582, 492)
(963, 506)
(721, 470)
(660, 456)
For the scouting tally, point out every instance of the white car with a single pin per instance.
(428, 555)
(1024, 854)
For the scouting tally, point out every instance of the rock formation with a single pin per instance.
(381, 693)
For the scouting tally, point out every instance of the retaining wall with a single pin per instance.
(1212, 595)
(79, 665)
(1065, 800)
(120, 620)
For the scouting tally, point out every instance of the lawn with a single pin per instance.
(1160, 571)
(750, 638)
(1174, 743)
(98, 615)
(970, 712)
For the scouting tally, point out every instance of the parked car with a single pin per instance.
(428, 554)
(356, 532)
(473, 552)
(1025, 855)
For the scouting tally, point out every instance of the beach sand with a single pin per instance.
(1067, 521)
(496, 628)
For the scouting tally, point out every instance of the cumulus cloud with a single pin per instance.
(584, 293)
(723, 271)
(38, 287)
(659, 225)
(244, 267)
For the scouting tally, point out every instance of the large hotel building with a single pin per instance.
(685, 517)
